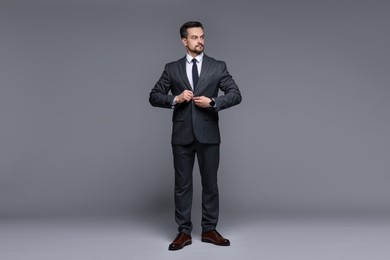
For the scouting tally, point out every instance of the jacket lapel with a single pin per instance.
(204, 71)
(183, 72)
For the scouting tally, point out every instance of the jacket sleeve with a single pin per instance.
(159, 96)
(232, 94)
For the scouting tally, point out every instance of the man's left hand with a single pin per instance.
(202, 101)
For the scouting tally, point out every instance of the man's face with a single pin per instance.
(194, 41)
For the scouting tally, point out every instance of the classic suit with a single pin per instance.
(196, 130)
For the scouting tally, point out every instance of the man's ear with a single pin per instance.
(184, 41)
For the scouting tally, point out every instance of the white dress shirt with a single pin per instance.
(189, 65)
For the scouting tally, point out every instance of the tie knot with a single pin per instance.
(194, 61)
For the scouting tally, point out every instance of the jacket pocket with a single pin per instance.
(178, 117)
(210, 117)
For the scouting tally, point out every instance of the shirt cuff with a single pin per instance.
(174, 102)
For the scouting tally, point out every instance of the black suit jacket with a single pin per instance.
(189, 120)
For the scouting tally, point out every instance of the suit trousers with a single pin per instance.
(208, 160)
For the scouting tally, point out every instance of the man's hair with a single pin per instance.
(190, 24)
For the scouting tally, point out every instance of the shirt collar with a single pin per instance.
(198, 58)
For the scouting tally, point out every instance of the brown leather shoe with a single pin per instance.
(215, 238)
(181, 240)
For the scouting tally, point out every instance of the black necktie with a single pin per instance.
(195, 75)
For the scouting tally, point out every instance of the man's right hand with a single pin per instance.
(185, 96)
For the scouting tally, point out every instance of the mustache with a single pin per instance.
(200, 45)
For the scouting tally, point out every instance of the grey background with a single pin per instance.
(77, 135)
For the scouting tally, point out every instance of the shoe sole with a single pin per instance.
(185, 244)
(212, 242)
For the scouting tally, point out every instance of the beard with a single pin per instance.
(198, 49)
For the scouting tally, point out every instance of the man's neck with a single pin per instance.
(193, 54)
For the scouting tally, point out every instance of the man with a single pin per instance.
(190, 87)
